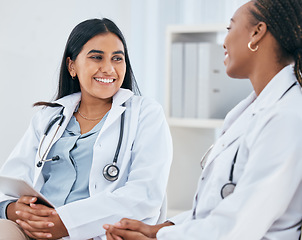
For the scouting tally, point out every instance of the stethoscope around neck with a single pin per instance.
(110, 171)
(229, 187)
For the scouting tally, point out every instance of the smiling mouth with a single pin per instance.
(105, 80)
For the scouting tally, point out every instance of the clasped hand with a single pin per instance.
(128, 229)
(38, 221)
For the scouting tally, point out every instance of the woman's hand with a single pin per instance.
(115, 233)
(128, 229)
(37, 221)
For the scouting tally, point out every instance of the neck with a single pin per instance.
(95, 108)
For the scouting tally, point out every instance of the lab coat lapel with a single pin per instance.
(275, 89)
(235, 124)
(117, 109)
(233, 127)
(70, 104)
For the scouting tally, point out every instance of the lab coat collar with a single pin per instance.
(119, 98)
(233, 115)
(69, 103)
(233, 127)
(116, 109)
(275, 89)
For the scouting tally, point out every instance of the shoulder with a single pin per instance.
(68, 100)
(282, 120)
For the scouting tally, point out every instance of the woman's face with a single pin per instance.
(237, 55)
(100, 66)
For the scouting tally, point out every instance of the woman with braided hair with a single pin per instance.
(251, 184)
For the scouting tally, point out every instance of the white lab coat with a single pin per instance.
(267, 201)
(144, 162)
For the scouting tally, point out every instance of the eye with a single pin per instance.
(97, 57)
(118, 58)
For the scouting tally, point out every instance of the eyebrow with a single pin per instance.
(102, 52)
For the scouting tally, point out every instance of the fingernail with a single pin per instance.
(17, 212)
(33, 199)
(54, 213)
(18, 221)
(106, 226)
(48, 235)
(118, 224)
(50, 224)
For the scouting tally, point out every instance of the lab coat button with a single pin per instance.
(202, 178)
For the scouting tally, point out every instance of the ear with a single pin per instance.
(258, 33)
(70, 66)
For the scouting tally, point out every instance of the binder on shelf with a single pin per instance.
(190, 79)
(176, 87)
(217, 92)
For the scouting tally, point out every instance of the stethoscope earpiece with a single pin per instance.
(111, 172)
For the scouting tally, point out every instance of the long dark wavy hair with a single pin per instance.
(79, 36)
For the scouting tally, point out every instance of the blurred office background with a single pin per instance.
(33, 34)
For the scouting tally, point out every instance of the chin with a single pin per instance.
(233, 73)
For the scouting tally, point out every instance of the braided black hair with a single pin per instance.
(284, 20)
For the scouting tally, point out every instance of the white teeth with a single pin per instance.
(104, 80)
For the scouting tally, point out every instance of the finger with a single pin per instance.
(40, 206)
(115, 232)
(27, 199)
(26, 216)
(29, 234)
(37, 211)
(38, 235)
(33, 237)
(35, 225)
(138, 226)
(131, 224)
(110, 236)
(116, 237)
(32, 232)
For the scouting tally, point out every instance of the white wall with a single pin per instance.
(33, 36)
(34, 33)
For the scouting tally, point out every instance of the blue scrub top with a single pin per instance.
(67, 179)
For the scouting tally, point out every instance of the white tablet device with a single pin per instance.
(16, 188)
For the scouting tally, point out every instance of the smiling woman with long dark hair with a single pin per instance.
(99, 152)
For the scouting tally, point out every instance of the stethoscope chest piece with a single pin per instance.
(227, 189)
(111, 172)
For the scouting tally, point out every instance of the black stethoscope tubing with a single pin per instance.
(229, 187)
(61, 119)
(110, 171)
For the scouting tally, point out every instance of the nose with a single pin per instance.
(107, 67)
